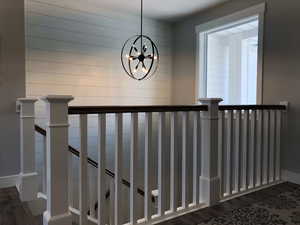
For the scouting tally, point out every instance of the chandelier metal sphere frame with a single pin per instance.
(139, 55)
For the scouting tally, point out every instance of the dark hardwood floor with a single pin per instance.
(13, 211)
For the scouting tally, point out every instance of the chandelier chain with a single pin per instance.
(142, 9)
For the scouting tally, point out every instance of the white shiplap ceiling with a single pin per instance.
(170, 10)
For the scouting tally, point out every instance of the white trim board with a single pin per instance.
(291, 176)
(9, 181)
(237, 16)
(242, 16)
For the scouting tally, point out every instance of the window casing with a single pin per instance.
(246, 95)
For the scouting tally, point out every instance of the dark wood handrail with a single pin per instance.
(170, 108)
(252, 107)
(134, 109)
(92, 162)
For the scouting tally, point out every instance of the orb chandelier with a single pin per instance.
(139, 56)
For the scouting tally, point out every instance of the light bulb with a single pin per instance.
(130, 58)
(144, 70)
(155, 57)
(134, 70)
(127, 56)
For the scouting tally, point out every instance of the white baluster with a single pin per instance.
(196, 153)
(92, 196)
(161, 164)
(266, 147)
(148, 167)
(259, 158)
(246, 139)
(118, 168)
(101, 170)
(174, 162)
(229, 154)
(70, 179)
(209, 181)
(184, 188)
(83, 171)
(221, 149)
(57, 212)
(112, 203)
(252, 156)
(278, 144)
(238, 144)
(44, 178)
(272, 134)
(133, 168)
(28, 183)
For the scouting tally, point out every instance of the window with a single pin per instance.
(229, 61)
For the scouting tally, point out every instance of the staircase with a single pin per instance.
(191, 157)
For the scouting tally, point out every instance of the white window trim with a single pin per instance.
(257, 11)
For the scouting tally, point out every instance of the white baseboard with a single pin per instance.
(9, 181)
(291, 176)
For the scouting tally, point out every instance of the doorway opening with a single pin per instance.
(229, 62)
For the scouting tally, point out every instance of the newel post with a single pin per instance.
(210, 180)
(57, 212)
(28, 182)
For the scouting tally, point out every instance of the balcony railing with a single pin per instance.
(182, 158)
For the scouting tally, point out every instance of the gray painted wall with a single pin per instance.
(281, 78)
(12, 82)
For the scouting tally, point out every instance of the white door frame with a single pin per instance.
(202, 30)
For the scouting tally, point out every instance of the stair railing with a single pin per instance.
(91, 163)
(214, 153)
(249, 147)
(163, 210)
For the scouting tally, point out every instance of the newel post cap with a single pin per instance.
(210, 100)
(24, 102)
(58, 98)
(286, 104)
(27, 100)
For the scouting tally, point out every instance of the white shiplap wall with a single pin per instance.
(73, 47)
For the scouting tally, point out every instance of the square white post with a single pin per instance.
(28, 182)
(57, 212)
(209, 180)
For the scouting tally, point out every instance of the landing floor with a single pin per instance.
(278, 205)
(13, 211)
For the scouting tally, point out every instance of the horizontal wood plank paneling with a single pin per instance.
(96, 81)
(73, 47)
(36, 54)
(91, 12)
(75, 69)
(94, 91)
